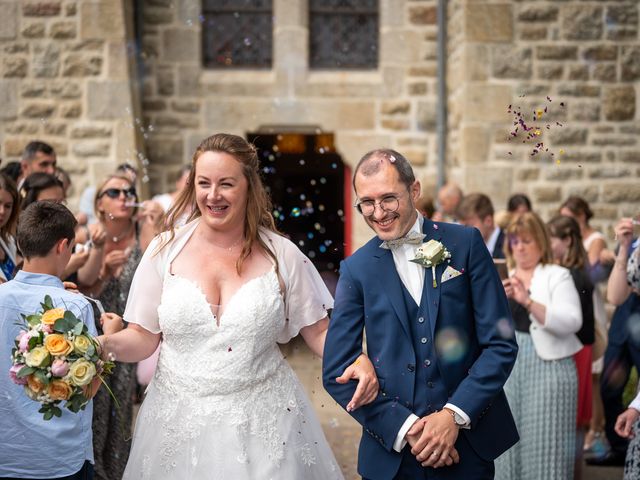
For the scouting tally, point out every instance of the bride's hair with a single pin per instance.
(258, 202)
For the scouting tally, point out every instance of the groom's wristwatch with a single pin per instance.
(457, 418)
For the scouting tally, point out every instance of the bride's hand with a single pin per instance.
(367, 389)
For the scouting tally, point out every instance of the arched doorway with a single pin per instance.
(309, 187)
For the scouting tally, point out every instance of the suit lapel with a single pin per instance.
(392, 286)
(430, 294)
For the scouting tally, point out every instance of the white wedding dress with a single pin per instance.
(224, 403)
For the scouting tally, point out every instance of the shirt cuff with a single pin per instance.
(467, 420)
(400, 442)
(635, 404)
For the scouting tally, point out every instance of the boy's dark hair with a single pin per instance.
(34, 147)
(12, 170)
(41, 225)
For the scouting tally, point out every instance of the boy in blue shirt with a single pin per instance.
(32, 447)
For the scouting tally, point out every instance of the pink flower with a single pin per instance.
(23, 344)
(13, 374)
(59, 368)
(47, 328)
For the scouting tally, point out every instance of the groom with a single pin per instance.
(441, 339)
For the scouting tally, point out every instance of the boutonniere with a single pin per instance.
(430, 255)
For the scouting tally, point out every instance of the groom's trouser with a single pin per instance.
(471, 466)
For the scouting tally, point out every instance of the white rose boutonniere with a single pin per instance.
(430, 255)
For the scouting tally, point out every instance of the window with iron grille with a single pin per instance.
(343, 34)
(237, 33)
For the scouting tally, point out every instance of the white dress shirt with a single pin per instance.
(412, 276)
(493, 239)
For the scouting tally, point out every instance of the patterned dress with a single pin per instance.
(112, 424)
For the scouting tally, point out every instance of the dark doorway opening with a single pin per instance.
(306, 180)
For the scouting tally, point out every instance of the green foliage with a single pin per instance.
(630, 388)
(25, 372)
(47, 304)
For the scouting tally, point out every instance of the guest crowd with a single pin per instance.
(573, 363)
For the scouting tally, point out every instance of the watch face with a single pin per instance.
(458, 419)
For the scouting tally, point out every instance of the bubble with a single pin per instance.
(310, 235)
(312, 254)
(303, 196)
(340, 212)
(312, 181)
(247, 41)
(317, 226)
(301, 243)
(322, 249)
(301, 162)
(323, 180)
(451, 345)
(505, 329)
(295, 212)
(189, 22)
(333, 423)
(321, 207)
(328, 242)
(145, 179)
(334, 165)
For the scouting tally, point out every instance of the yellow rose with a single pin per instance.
(38, 357)
(50, 316)
(81, 344)
(58, 345)
(34, 384)
(59, 390)
(81, 372)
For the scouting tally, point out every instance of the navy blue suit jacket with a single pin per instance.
(369, 297)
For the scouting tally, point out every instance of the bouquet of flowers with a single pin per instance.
(56, 359)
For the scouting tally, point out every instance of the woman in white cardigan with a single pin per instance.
(542, 388)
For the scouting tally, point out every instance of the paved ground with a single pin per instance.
(343, 432)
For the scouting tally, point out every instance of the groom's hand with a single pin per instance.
(367, 389)
(432, 440)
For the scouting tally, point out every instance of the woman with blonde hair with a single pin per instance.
(9, 210)
(222, 291)
(542, 388)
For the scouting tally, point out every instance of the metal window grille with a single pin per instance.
(237, 33)
(343, 34)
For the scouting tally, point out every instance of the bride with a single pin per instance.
(221, 292)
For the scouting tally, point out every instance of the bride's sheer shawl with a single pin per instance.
(306, 298)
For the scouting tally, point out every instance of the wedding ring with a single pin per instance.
(435, 454)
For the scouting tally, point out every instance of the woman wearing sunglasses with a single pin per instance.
(129, 227)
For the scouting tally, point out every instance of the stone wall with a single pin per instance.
(585, 54)
(65, 79)
(393, 105)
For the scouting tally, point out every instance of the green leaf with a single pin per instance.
(77, 330)
(33, 341)
(33, 320)
(56, 411)
(63, 325)
(25, 372)
(40, 375)
(47, 304)
(91, 350)
(71, 317)
(48, 415)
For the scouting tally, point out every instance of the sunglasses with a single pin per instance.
(115, 192)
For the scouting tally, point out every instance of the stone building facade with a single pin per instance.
(68, 75)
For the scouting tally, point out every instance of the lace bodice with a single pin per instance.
(217, 360)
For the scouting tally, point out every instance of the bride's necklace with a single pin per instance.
(230, 247)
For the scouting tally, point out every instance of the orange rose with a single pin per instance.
(59, 390)
(57, 345)
(50, 316)
(34, 384)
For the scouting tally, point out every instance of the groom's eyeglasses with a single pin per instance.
(390, 203)
(115, 192)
